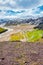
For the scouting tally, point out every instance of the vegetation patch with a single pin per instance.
(2, 30)
(17, 36)
(34, 35)
(30, 36)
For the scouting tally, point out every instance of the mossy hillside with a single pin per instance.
(2, 30)
(17, 36)
(34, 35)
(30, 36)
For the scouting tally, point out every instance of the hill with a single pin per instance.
(21, 53)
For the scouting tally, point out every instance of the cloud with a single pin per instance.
(21, 8)
(19, 3)
(27, 3)
(11, 12)
(0, 10)
(41, 8)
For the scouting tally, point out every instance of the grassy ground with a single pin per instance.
(30, 36)
(17, 36)
(34, 35)
(2, 30)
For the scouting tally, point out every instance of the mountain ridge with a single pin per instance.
(19, 21)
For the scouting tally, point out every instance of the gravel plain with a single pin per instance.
(21, 53)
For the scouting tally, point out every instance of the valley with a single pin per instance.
(14, 29)
(21, 32)
(21, 45)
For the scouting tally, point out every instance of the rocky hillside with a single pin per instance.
(35, 21)
(21, 53)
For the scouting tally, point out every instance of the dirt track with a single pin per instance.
(21, 53)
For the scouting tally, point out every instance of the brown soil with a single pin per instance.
(21, 53)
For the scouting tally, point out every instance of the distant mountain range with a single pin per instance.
(19, 21)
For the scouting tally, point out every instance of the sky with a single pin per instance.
(21, 8)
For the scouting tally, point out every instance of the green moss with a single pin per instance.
(2, 30)
(30, 36)
(17, 36)
(34, 35)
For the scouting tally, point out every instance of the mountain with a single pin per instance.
(16, 21)
(40, 26)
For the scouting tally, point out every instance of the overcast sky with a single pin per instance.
(20, 8)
